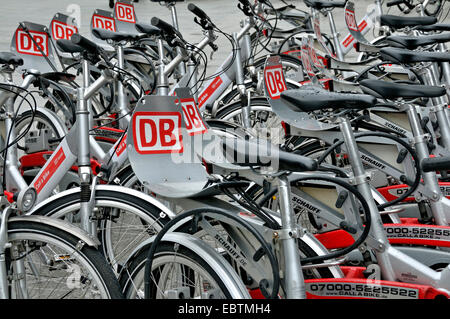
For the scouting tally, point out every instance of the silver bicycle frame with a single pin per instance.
(394, 264)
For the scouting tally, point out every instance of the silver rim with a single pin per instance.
(54, 270)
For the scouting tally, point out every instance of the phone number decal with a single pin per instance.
(434, 233)
(361, 291)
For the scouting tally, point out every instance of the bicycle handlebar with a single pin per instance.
(198, 12)
(85, 43)
(397, 2)
(165, 27)
(245, 3)
(435, 164)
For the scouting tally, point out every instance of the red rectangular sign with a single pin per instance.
(157, 132)
(192, 117)
(125, 12)
(274, 80)
(102, 22)
(32, 45)
(61, 30)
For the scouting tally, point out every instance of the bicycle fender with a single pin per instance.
(151, 200)
(62, 225)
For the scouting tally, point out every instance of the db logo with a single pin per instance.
(102, 22)
(316, 26)
(192, 117)
(32, 46)
(61, 30)
(314, 57)
(307, 62)
(351, 21)
(274, 79)
(125, 12)
(157, 132)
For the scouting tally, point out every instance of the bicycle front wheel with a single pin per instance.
(49, 263)
(124, 220)
(177, 273)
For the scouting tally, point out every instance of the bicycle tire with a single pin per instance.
(134, 279)
(31, 232)
(113, 205)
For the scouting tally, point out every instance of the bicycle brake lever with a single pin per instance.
(205, 24)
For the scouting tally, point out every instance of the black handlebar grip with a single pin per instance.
(164, 26)
(435, 164)
(394, 3)
(197, 11)
(245, 3)
(86, 44)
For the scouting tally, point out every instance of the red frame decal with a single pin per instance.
(53, 164)
(206, 94)
(274, 80)
(122, 146)
(156, 122)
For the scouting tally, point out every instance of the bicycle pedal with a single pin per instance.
(392, 211)
(62, 258)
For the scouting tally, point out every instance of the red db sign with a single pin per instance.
(350, 19)
(61, 30)
(157, 132)
(125, 12)
(102, 22)
(192, 117)
(275, 84)
(37, 44)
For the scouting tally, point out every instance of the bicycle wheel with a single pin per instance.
(46, 263)
(124, 220)
(42, 124)
(132, 279)
(264, 123)
(177, 273)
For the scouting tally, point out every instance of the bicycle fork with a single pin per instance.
(19, 274)
(293, 274)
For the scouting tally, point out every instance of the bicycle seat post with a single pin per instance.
(442, 47)
(240, 78)
(440, 105)
(173, 10)
(430, 179)
(362, 181)
(162, 87)
(335, 35)
(122, 101)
